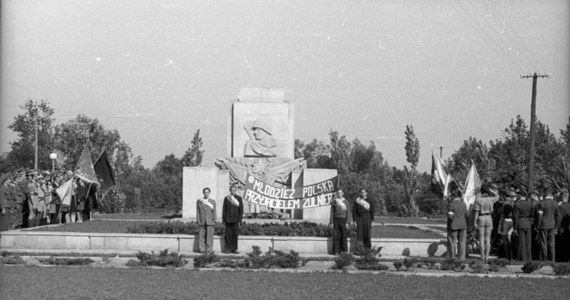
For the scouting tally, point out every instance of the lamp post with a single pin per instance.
(53, 157)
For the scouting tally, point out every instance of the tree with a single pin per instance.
(22, 152)
(194, 154)
(340, 152)
(409, 207)
(472, 150)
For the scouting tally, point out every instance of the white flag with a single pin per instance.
(472, 183)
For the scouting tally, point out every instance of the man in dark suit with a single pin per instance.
(206, 217)
(548, 216)
(363, 214)
(564, 228)
(341, 216)
(523, 214)
(456, 226)
(232, 213)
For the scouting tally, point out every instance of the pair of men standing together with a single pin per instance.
(232, 212)
(343, 213)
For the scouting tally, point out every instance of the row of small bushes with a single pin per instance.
(408, 264)
(254, 260)
(162, 259)
(361, 259)
(559, 269)
(270, 229)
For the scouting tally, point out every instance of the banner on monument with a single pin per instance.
(313, 195)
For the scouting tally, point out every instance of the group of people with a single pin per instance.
(28, 199)
(232, 214)
(514, 223)
(343, 212)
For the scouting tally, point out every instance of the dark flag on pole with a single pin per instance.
(84, 169)
(104, 172)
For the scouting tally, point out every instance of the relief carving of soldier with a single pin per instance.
(261, 142)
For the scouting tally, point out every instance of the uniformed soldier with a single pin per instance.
(523, 216)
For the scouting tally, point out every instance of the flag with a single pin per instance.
(104, 172)
(64, 192)
(472, 185)
(441, 181)
(84, 169)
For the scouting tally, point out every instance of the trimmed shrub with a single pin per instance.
(530, 267)
(268, 229)
(12, 260)
(478, 267)
(343, 260)
(371, 267)
(273, 259)
(428, 263)
(205, 259)
(398, 265)
(57, 261)
(163, 259)
(410, 263)
(561, 269)
(452, 265)
(496, 264)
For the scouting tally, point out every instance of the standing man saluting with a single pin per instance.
(232, 213)
(363, 216)
(206, 215)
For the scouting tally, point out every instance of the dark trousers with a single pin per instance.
(339, 236)
(231, 237)
(563, 253)
(456, 241)
(525, 244)
(547, 244)
(363, 230)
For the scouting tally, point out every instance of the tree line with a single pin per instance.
(400, 191)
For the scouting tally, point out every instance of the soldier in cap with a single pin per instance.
(261, 142)
(548, 218)
(523, 215)
(563, 254)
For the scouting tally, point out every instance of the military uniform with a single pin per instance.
(456, 229)
(564, 232)
(523, 216)
(548, 218)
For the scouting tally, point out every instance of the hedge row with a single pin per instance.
(308, 229)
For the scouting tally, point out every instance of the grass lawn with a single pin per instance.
(118, 226)
(87, 283)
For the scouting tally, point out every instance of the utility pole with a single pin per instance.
(36, 142)
(534, 77)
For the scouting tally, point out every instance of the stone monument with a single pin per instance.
(260, 142)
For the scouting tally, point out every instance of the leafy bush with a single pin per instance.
(371, 267)
(369, 256)
(496, 264)
(478, 267)
(12, 260)
(62, 261)
(205, 259)
(428, 263)
(561, 269)
(268, 229)
(410, 263)
(273, 259)
(163, 259)
(343, 260)
(398, 265)
(5, 253)
(133, 263)
(452, 264)
(530, 267)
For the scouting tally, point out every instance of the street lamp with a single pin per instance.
(53, 157)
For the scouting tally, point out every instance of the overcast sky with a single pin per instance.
(159, 70)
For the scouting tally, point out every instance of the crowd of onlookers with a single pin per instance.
(511, 223)
(31, 198)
